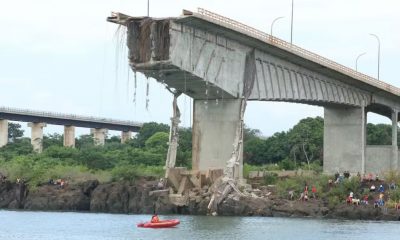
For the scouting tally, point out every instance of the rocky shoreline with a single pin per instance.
(129, 198)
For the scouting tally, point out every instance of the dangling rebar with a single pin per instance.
(147, 94)
(134, 87)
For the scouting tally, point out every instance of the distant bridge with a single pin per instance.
(38, 119)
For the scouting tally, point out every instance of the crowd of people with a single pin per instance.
(304, 196)
(60, 183)
(376, 195)
(377, 190)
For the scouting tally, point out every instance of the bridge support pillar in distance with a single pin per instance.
(3, 132)
(99, 136)
(344, 139)
(214, 130)
(37, 136)
(395, 149)
(69, 136)
(126, 136)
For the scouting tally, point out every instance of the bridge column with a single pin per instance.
(37, 136)
(3, 132)
(99, 136)
(126, 136)
(69, 136)
(395, 149)
(214, 131)
(344, 139)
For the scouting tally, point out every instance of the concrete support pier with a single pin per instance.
(37, 136)
(214, 131)
(99, 136)
(69, 136)
(126, 136)
(395, 149)
(344, 139)
(3, 132)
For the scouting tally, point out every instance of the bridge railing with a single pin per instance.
(67, 116)
(299, 51)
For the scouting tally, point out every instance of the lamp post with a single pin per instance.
(272, 25)
(358, 58)
(379, 50)
(291, 25)
(148, 8)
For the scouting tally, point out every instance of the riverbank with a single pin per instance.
(133, 198)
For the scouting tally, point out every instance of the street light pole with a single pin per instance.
(148, 8)
(379, 51)
(358, 58)
(272, 25)
(291, 25)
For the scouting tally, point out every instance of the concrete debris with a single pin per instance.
(173, 133)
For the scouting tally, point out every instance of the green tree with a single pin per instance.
(53, 140)
(277, 147)
(148, 130)
(306, 139)
(184, 154)
(113, 139)
(14, 131)
(84, 141)
(255, 151)
(379, 134)
(95, 158)
(19, 147)
(158, 143)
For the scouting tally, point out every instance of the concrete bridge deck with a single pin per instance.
(211, 57)
(25, 115)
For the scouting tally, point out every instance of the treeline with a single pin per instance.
(141, 156)
(302, 144)
(145, 154)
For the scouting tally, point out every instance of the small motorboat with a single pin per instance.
(160, 224)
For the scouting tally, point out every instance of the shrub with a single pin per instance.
(287, 164)
(333, 201)
(270, 178)
(132, 172)
(124, 173)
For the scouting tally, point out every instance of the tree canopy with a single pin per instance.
(302, 144)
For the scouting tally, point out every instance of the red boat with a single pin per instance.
(160, 224)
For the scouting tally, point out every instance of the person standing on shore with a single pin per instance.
(314, 192)
(381, 189)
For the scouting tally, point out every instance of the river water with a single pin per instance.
(87, 226)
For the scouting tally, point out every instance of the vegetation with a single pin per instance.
(144, 155)
(302, 145)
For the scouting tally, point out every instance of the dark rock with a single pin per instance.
(7, 194)
(126, 197)
(89, 186)
(51, 197)
(245, 206)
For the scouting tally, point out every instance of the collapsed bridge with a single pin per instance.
(210, 57)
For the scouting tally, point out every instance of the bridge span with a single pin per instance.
(211, 57)
(38, 119)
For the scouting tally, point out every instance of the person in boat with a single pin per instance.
(155, 219)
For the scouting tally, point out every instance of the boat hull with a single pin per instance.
(161, 224)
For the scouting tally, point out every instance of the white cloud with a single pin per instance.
(61, 55)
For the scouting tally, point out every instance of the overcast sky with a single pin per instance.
(63, 56)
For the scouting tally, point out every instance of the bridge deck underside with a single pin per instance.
(184, 81)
